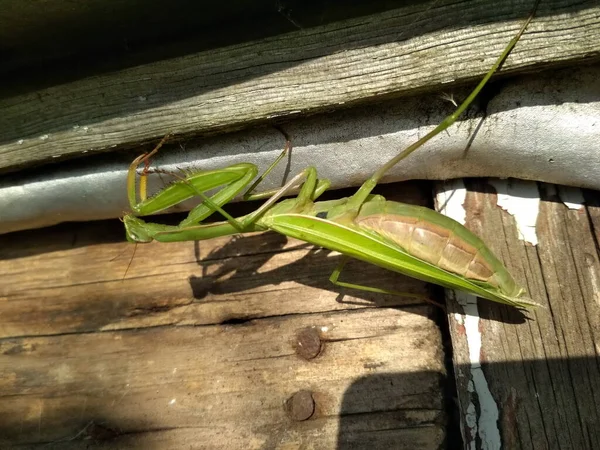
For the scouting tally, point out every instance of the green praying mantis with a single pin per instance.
(408, 239)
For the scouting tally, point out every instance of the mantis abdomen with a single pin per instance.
(438, 240)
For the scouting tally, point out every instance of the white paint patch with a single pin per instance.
(172, 402)
(521, 199)
(450, 202)
(488, 416)
(487, 425)
(572, 197)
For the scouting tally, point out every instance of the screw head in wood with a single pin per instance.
(308, 343)
(301, 405)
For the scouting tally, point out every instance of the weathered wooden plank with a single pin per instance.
(532, 379)
(355, 433)
(100, 35)
(176, 289)
(230, 386)
(297, 73)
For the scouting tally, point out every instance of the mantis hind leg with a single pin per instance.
(334, 278)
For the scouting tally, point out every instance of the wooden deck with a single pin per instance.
(243, 342)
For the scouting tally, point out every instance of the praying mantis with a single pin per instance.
(408, 239)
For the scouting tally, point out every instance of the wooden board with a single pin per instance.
(101, 35)
(531, 379)
(227, 386)
(229, 343)
(402, 51)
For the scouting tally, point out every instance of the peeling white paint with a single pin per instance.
(485, 426)
(450, 202)
(521, 199)
(572, 197)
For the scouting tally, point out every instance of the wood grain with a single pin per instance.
(397, 52)
(226, 386)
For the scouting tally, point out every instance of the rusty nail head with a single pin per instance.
(308, 343)
(301, 405)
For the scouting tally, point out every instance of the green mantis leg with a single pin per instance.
(131, 175)
(248, 195)
(139, 231)
(233, 179)
(311, 189)
(338, 270)
(322, 185)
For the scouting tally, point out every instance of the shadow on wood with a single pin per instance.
(543, 406)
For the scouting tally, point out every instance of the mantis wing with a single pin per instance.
(357, 243)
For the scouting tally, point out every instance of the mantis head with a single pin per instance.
(137, 230)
